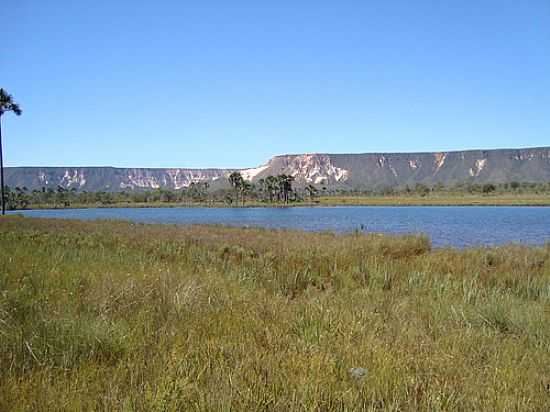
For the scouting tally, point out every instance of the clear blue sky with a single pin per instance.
(231, 83)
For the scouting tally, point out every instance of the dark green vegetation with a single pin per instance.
(279, 190)
(118, 316)
(6, 105)
(271, 189)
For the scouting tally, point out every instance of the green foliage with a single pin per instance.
(269, 189)
(488, 188)
(274, 190)
(421, 189)
(7, 104)
(121, 316)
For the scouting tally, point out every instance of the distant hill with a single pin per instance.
(353, 171)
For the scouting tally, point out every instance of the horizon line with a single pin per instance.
(291, 154)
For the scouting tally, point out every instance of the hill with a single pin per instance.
(352, 171)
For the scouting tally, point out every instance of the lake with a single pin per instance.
(446, 226)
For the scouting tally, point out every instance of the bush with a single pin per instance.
(488, 188)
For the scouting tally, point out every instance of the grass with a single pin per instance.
(122, 316)
(436, 199)
(525, 199)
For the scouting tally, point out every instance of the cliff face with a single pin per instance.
(108, 178)
(364, 171)
(305, 168)
(372, 170)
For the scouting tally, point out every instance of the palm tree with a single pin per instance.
(288, 187)
(285, 186)
(272, 185)
(236, 180)
(246, 189)
(312, 191)
(261, 188)
(6, 105)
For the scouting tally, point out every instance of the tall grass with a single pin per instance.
(122, 316)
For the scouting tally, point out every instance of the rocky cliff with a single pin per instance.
(109, 178)
(360, 171)
(373, 170)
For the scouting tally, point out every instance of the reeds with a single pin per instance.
(119, 316)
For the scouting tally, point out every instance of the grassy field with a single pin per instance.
(437, 199)
(120, 316)
(440, 200)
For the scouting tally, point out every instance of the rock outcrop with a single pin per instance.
(353, 171)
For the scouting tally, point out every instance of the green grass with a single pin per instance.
(121, 316)
(435, 199)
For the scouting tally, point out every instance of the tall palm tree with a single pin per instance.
(236, 181)
(6, 105)
(285, 186)
(272, 185)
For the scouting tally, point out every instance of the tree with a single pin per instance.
(488, 188)
(6, 105)
(279, 187)
(236, 180)
(311, 191)
(198, 191)
(439, 187)
(421, 189)
(246, 189)
(272, 185)
(285, 186)
(18, 198)
(262, 188)
(62, 196)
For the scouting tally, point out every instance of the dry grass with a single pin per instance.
(459, 199)
(121, 316)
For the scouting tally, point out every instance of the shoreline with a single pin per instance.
(179, 219)
(14, 218)
(542, 201)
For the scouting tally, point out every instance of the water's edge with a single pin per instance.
(457, 226)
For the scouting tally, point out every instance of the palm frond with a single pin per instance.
(7, 104)
(16, 109)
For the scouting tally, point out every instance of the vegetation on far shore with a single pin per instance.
(280, 191)
(121, 316)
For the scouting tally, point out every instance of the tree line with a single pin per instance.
(273, 189)
(270, 190)
(460, 188)
(22, 197)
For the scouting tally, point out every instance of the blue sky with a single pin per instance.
(231, 83)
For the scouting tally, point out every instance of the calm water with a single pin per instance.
(446, 226)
